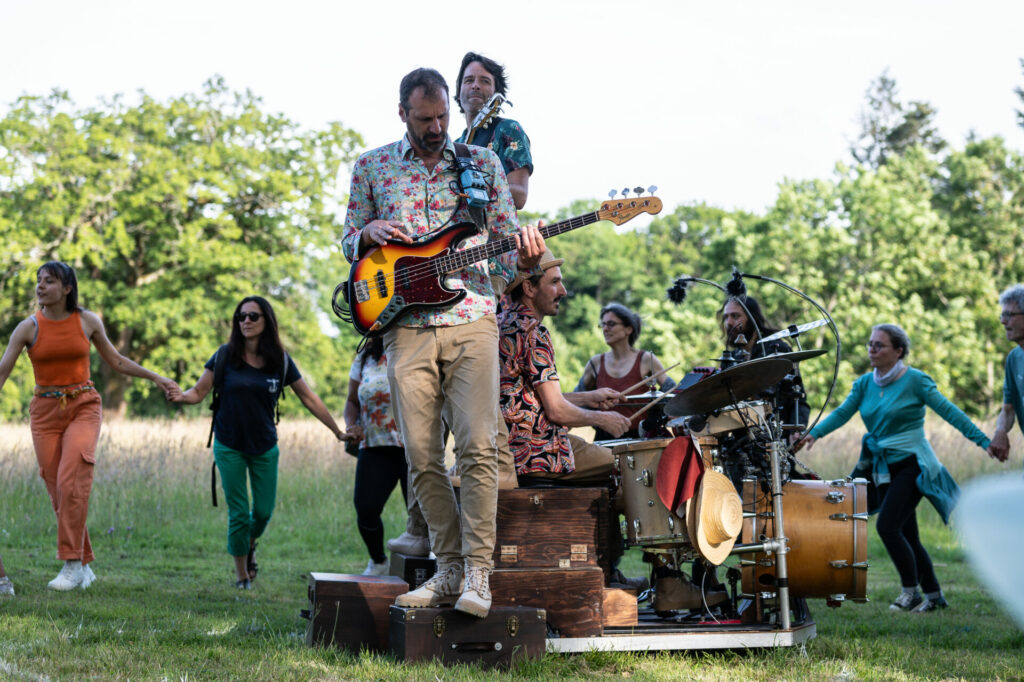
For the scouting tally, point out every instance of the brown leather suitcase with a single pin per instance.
(414, 570)
(506, 636)
(573, 598)
(552, 528)
(351, 611)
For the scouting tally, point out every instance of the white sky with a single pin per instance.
(710, 101)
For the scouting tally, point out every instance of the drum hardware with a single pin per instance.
(841, 516)
(843, 563)
(835, 497)
(644, 478)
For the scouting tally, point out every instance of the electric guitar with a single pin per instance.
(396, 278)
(490, 110)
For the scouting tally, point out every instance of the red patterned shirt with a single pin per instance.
(392, 183)
(528, 359)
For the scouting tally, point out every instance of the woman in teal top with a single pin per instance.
(898, 460)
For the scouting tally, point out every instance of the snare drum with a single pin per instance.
(826, 523)
(736, 417)
(649, 523)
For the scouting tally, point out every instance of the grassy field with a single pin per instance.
(165, 608)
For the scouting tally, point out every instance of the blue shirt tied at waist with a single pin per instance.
(934, 482)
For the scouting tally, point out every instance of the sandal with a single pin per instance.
(250, 562)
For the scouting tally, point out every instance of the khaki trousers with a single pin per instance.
(65, 440)
(428, 369)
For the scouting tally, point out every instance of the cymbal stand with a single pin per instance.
(781, 542)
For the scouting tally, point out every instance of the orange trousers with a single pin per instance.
(65, 440)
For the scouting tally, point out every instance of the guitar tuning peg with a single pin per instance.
(625, 192)
(611, 194)
(652, 189)
(638, 191)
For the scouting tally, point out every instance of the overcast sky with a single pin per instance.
(710, 101)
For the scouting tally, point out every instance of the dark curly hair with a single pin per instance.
(626, 316)
(496, 70)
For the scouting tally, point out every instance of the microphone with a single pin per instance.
(736, 287)
(677, 292)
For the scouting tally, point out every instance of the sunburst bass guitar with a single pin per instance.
(397, 278)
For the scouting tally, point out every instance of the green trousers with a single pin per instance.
(245, 524)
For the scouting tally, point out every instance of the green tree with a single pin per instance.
(890, 127)
(171, 212)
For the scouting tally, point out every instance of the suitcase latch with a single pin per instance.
(438, 625)
(512, 626)
(510, 553)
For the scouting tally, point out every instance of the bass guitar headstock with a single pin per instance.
(626, 208)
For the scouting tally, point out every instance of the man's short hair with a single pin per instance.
(1015, 295)
(430, 80)
(496, 70)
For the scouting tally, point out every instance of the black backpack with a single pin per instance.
(219, 360)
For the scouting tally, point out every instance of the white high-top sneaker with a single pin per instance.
(70, 577)
(440, 590)
(476, 597)
(88, 577)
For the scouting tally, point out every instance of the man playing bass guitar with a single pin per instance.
(410, 189)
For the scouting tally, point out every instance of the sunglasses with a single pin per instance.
(252, 317)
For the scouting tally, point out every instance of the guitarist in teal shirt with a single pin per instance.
(898, 460)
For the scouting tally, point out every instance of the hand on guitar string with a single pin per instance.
(383, 231)
(530, 244)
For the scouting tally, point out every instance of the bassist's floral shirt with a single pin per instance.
(392, 183)
(527, 359)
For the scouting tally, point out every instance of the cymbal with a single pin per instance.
(795, 330)
(798, 355)
(744, 380)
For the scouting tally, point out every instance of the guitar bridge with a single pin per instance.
(361, 291)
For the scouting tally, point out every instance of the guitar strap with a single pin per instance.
(464, 160)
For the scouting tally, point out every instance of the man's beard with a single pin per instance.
(733, 333)
(431, 147)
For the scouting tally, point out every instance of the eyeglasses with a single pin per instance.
(877, 346)
(252, 317)
(610, 324)
(1005, 317)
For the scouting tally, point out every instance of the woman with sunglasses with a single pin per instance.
(897, 459)
(65, 412)
(256, 370)
(623, 365)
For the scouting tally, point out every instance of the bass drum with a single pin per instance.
(826, 523)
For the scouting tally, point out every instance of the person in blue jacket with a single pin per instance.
(898, 460)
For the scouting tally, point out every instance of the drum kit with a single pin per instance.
(712, 476)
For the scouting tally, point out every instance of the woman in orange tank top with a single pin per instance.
(65, 412)
(624, 365)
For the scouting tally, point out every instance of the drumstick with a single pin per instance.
(644, 381)
(649, 405)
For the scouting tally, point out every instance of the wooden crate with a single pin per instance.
(573, 598)
(507, 635)
(619, 608)
(553, 528)
(351, 611)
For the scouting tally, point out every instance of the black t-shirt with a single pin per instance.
(245, 418)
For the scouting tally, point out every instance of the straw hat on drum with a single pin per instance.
(714, 517)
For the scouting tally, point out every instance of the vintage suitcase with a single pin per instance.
(414, 570)
(553, 528)
(351, 611)
(506, 636)
(573, 598)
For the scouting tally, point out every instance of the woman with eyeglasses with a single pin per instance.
(256, 371)
(898, 460)
(65, 412)
(623, 365)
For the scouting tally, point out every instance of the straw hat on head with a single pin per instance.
(547, 261)
(714, 517)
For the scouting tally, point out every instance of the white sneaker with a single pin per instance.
(373, 568)
(6, 587)
(88, 577)
(476, 597)
(411, 545)
(440, 590)
(70, 577)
